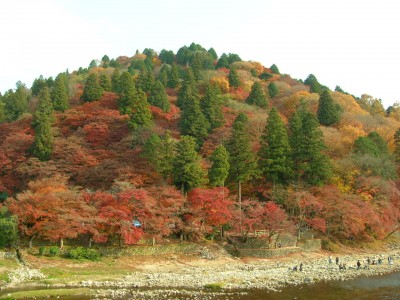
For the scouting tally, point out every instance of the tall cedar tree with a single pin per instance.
(158, 97)
(211, 106)
(242, 161)
(223, 62)
(328, 112)
(275, 69)
(315, 86)
(257, 96)
(272, 90)
(275, 153)
(219, 170)
(92, 90)
(145, 80)
(160, 152)
(127, 92)
(115, 81)
(37, 85)
(397, 145)
(193, 122)
(16, 103)
(306, 140)
(173, 79)
(105, 82)
(188, 90)
(59, 93)
(233, 78)
(3, 117)
(140, 114)
(187, 171)
(42, 147)
(163, 75)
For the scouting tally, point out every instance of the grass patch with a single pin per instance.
(217, 286)
(47, 293)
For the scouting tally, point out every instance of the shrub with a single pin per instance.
(54, 251)
(43, 251)
(84, 253)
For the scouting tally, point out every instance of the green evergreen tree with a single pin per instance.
(161, 153)
(233, 57)
(105, 82)
(166, 56)
(92, 90)
(219, 170)
(242, 161)
(114, 63)
(8, 228)
(188, 90)
(275, 153)
(16, 103)
(187, 171)
(145, 80)
(42, 147)
(3, 117)
(306, 141)
(233, 78)
(127, 93)
(105, 61)
(223, 62)
(193, 122)
(140, 114)
(211, 107)
(158, 97)
(37, 85)
(257, 96)
(363, 145)
(315, 86)
(163, 75)
(148, 63)
(59, 93)
(92, 64)
(328, 112)
(272, 90)
(173, 79)
(274, 69)
(212, 52)
(115, 77)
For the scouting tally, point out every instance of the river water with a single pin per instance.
(386, 287)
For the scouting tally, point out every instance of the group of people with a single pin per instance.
(297, 268)
(365, 265)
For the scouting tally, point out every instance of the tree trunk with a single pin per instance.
(153, 241)
(61, 243)
(90, 242)
(31, 241)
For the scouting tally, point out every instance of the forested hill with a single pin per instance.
(188, 142)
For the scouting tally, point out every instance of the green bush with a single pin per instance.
(43, 251)
(54, 250)
(84, 253)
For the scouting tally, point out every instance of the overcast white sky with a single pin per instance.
(354, 44)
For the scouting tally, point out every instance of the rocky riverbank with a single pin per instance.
(214, 271)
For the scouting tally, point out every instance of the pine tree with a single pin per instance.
(242, 161)
(59, 93)
(173, 79)
(275, 153)
(212, 52)
(257, 96)
(105, 82)
(306, 141)
(219, 170)
(139, 114)
(272, 90)
(127, 93)
(315, 86)
(211, 106)
(275, 69)
(328, 112)
(223, 62)
(158, 97)
(92, 90)
(233, 78)
(42, 147)
(187, 170)
(115, 81)
(193, 122)
(163, 76)
(145, 80)
(37, 85)
(188, 90)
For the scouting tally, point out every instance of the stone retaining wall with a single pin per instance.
(150, 250)
(311, 245)
(267, 253)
